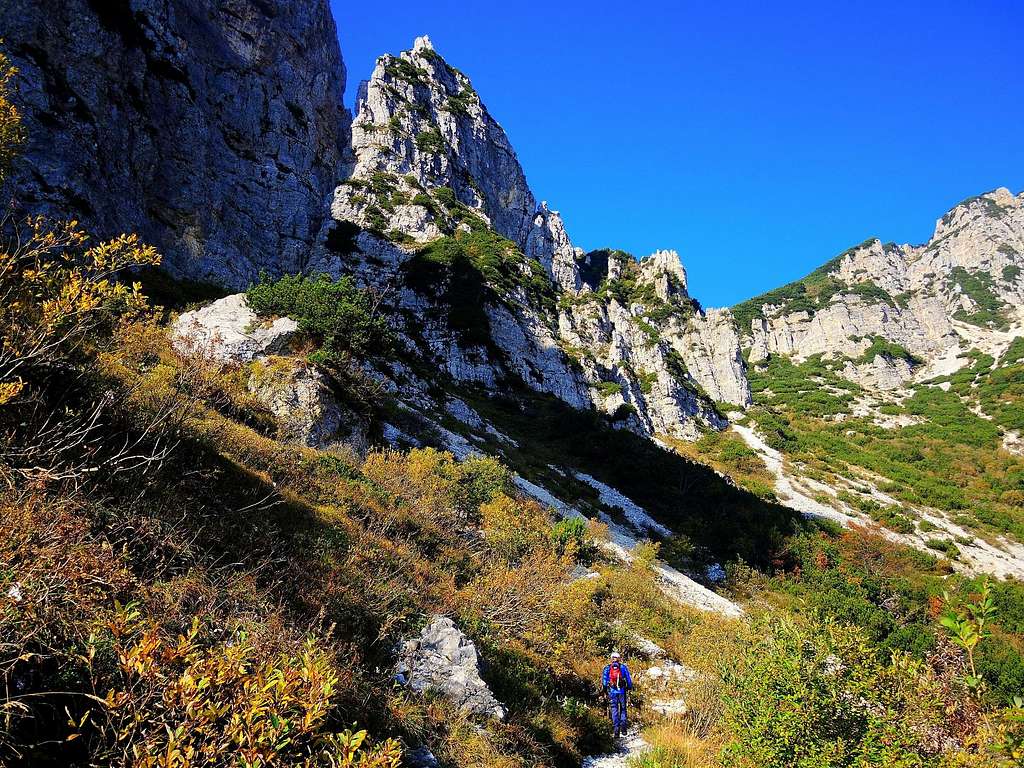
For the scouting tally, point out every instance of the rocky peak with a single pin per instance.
(931, 300)
(548, 243)
(665, 271)
(884, 265)
(997, 204)
(422, 43)
(430, 159)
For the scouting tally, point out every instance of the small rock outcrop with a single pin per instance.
(230, 332)
(422, 757)
(304, 404)
(444, 660)
(299, 396)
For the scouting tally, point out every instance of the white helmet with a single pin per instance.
(616, 655)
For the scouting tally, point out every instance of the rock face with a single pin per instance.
(647, 345)
(304, 405)
(213, 129)
(931, 300)
(443, 659)
(430, 162)
(229, 331)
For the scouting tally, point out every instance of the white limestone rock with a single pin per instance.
(444, 660)
(229, 331)
(710, 347)
(304, 405)
(534, 355)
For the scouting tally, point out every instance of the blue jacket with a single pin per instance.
(626, 681)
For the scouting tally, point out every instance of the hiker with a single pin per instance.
(616, 682)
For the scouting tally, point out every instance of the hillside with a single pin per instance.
(380, 476)
(890, 378)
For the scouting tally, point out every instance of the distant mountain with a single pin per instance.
(897, 313)
(892, 380)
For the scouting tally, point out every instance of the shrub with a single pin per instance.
(437, 486)
(570, 536)
(12, 134)
(215, 703)
(468, 270)
(647, 382)
(819, 695)
(888, 349)
(979, 287)
(402, 69)
(446, 196)
(343, 318)
(945, 546)
(624, 411)
(431, 141)
(513, 529)
(426, 201)
(54, 292)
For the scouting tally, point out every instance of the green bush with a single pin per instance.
(339, 315)
(945, 546)
(468, 270)
(431, 141)
(570, 533)
(889, 349)
(979, 287)
(647, 381)
(624, 411)
(818, 695)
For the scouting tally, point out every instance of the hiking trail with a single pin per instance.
(631, 745)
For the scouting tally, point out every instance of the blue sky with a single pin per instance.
(758, 139)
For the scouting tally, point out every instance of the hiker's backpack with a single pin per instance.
(616, 679)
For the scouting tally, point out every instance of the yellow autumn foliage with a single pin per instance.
(186, 703)
(54, 287)
(11, 132)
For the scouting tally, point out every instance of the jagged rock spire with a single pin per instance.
(425, 144)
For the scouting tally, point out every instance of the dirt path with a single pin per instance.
(631, 745)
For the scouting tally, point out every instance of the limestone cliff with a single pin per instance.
(433, 180)
(214, 128)
(930, 301)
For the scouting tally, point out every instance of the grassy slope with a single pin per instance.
(250, 535)
(950, 459)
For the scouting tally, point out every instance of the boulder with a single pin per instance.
(303, 403)
(229, 331)
(422, 757)
(444, 660)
